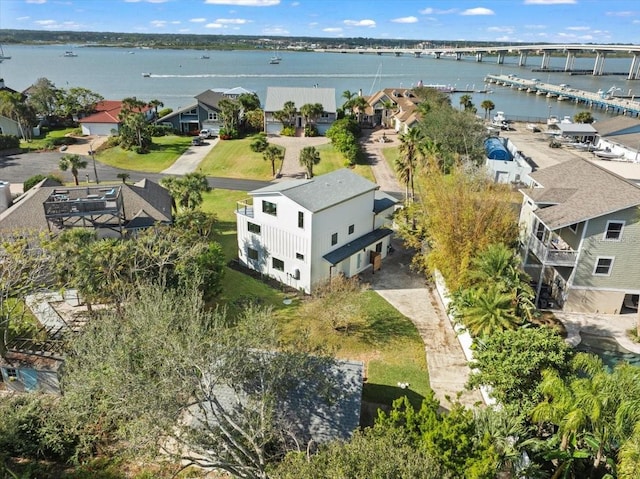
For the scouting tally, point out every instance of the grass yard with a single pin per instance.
(234, 159)
(390, 155)
(164, 152)
(38, 144)
(331, 160)
(385, 340)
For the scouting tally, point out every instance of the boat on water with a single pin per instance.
(146, 74)
(3, 56)
(204, 57)
(275, 60)
(69, 54)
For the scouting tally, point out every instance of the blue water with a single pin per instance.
(179, 75)
(608, 349)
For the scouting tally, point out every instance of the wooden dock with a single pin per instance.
(601, 100)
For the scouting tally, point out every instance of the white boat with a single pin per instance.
(69, 54)
(204, 57)
(275, 60)
(608, 155)
(533, 127)
(553, 120)
(146, 74)
(3, 56)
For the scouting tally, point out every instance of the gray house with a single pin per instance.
(580, 233)
(278, 96)
(31, 372)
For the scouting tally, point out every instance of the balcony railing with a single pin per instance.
(551, 255)
(245, 207)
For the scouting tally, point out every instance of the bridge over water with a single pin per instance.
(571, 50)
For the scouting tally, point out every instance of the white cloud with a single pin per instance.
(214, 25)
(535, 27)
(478, 11)
(275, 31)
(37, 1)
(578, 29)
(295, 4)
(549, 2)
(45, 23)
(332, 30)
(148, 1)
(360, 23)
(501, 29)
(159, 23)
(405, 20)
(198, 20)
(620, 14)
(23, 18)
(244, 3)
(435, 11)
(232, 21)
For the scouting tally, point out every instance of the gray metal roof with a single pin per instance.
(278, 96)
(581, 190)
(323, 191)
(576, 129)
(342, 253)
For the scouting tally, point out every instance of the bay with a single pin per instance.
(177, 76)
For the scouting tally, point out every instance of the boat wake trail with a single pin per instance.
(269, 75)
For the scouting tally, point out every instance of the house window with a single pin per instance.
(614, 230)
(213, 116)
(269, 208)
(253, 228)
(300, 219)
(300, 256)
(192, 112)
(352, 228)
(12, 373)
(277, 264)
(603, 266)
(574, 227)
(334, 239)
(540, 231)
(379, 247)
(252, 254)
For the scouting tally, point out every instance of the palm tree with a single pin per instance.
(123, 176)
(489, 310)
(359, 104)
(186, 190)
(72, 163)
(405, 164)
(387, 105)
(487, 106)
(348, 99)
(465, 102)
(309, 157)
(273, 153)
(155, 104)
(311, 111)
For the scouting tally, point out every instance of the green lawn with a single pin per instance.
(390, 155)
(385, 340)
(164, 152)
(234, 159)
(40, 143)
(331, 160)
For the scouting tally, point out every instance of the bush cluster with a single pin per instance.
(53, 143)
(288, 131)
(9, 142)
(344, 135)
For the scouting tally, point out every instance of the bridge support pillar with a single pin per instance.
(598, 66)
(458, 56)
(501, 56)
(634, 71)
(437, 54)
(570, 62)
(417, 54)
(522, 62)
(479, 57)
(398, 54)
(545, 60)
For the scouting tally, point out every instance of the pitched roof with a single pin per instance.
(107, 111)
(211, 98)
(323, 191)
(623, 130)
(343, 252)
(405, 100)
(27, 212)
(278, 96)
(579, 190)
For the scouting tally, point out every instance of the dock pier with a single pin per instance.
(602, 100)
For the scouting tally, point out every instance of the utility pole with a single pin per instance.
(93, 158)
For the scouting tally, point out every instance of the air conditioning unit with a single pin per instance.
(295, 274)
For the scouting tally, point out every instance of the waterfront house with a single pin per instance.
(620, 135)
(204, 113)
(392, 108)
(105, 120)
(580, 233)
(303, 232)
(111, 210)
(278, 96)
(505, 163)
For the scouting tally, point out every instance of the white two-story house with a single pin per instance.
(302, 232)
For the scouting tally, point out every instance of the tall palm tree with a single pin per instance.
(72, 163)
(387, 106)
(465, 102)
(359, 104)
(309, 157)
(487, 106)
(405, 164)
(155, 104)
(273, 153)
(186, 190)
(348, 99)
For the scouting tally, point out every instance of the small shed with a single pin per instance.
(583, 132)
(496, 150)
(31, 372)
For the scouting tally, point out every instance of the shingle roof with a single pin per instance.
(211, 98)
(323, 191)
(107, 111)
(580, 191)
(278, 96)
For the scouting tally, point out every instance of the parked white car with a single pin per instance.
(204, 133)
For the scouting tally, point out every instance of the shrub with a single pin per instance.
(288, 131)
(310, 130)
(160, 130)
(53, 143)
(34, 180)
(9, 142)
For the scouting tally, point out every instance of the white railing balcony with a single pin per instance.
(551, 254)
(245, 207)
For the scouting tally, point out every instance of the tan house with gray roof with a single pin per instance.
(580, 235)
(403, 112)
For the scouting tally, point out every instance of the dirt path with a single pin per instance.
(293, 146)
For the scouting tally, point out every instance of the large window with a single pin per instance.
(334, 239)
(252, 254)
(269, 208)
(300, 219)
(614, 230)
(278, 264)
(253, 228)
(213, 116)
(603, 266)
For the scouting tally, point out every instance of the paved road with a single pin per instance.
(18, 168)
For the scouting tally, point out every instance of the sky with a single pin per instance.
(552, 21)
